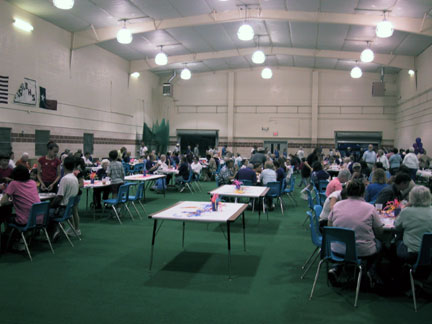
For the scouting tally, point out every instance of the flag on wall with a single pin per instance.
(26, 94)
(44, 102)
(4, 84)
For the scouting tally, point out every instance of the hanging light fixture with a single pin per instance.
(266, 73)
(161, 58)
(135, 75)
(367, 55)
(411, 72)
(245, 31)
(63, 4)
(23, 25)
(356, 72)
(124, 35)
(185, 74)
(258, 57)
(384, 29)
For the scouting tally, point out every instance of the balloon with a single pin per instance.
(418, 140)
(415, 145)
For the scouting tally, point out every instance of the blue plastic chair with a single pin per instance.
(127, 168)
(188, 182)
(121, 199)
(37, 209)
(290, 190)
(275, 192)
(317, 197)
(322, 185)
(66, 218)
(138, 168)
(316, 240)
(246, 182)
(340, 236)
(424, 259)
(138, 197)
(195, 180)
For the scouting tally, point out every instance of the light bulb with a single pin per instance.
(63, 4)
(23, 25)
(384, 29)
(258, 57)
(245, 32)
(411, 72)
(367, 55)
(135, 75)
(356, 72)
(266, 73)
(161, 59)
(185, 74)
(124, 36)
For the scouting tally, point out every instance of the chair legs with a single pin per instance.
(413, 290)
(73, 229)
(26, 246)
(49, 240)
(64, 232)
(142, 206)
(281, 204)
(308, 264)
(130, 214)
(316, 278)
(116, 213)
(139, 215)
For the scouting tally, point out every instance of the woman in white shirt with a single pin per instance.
(383, 159)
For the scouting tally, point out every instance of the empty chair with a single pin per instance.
(316, 240)
(290, 190)
(66, 217)
(343, 236)
(275, 192)
(322, 185)
(137, 198)
(424, 259)
(37, 209)
(119, 201)
(247, 182)
(138, 168)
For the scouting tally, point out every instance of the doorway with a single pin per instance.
(272, 146)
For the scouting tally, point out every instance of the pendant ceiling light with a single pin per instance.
(185, 74)
(63, 4)
(266, 73)
(161, 58)
(356, 72)
(245, 32)
(258, 57)
(124, 35)
(367, 55)
(384, 29)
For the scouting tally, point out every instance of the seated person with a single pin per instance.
(183, 173)
(356, 214)
(151, 165)
(226, 173)
(247, 173)
(318, 174)
(268, 174)
(88, 160)
(329, 203)
(392, 192)
(196, 167)
(115, 172)
(336, 184)
(24, 161)
(97, 191)
(378, 184)
(413, 222)
(68, 188)
(376, 166)
(280, 171)
(22, 191)
(5, 170)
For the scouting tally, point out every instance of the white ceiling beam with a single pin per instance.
(398, 61)
(406, 24)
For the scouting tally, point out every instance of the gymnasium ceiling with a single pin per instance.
(323, 34)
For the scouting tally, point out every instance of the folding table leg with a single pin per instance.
(244, 232)
(153, 242)
(229, 249)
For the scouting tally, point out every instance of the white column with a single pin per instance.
(314, 120)
(230, 112)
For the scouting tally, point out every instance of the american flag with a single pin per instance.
(4, 82)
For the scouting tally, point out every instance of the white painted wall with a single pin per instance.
(414, 114)
(282, 104)
(94, 91)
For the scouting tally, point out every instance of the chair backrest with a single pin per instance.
(283, 184)
(123, 193)
(190, 175)
(317, 196)
(139, 167)
(425, 254)
(310, 200)
(275, 188)
(339, 236)
(317, 210)
(247, 182)
(292, 182)
(127, 168)
(68, 211)
(322, 185)
(140, 191)
(314, 229)
(36, 210)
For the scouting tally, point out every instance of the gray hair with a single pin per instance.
(420, 196)
(344, 174)
(105, 161)
(25, 154)
(250, 166)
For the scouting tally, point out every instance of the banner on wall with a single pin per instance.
(4, 85)
(44, 102)
(26, 93)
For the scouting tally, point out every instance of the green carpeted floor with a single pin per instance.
(105, 278)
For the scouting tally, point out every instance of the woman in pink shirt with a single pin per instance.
(23, 193)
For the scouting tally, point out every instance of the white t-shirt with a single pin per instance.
(196, 167)
(326, 207)
(68, 188)
(300, 154)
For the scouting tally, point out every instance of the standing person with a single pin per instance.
(24, 161)
(238, 160)
(412, 163)
(143, 150)
(12, 160)
(381, 157)
(224, 150)
(196, 150)
(176, 148)
(300, 153)
(395, 162)
(370, 156)
(307, 168)
(115, 172)
(48, 168)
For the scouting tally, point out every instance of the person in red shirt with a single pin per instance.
(48, 168)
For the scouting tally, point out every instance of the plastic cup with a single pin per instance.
(378, 207)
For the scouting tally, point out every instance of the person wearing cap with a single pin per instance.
(369, 156)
